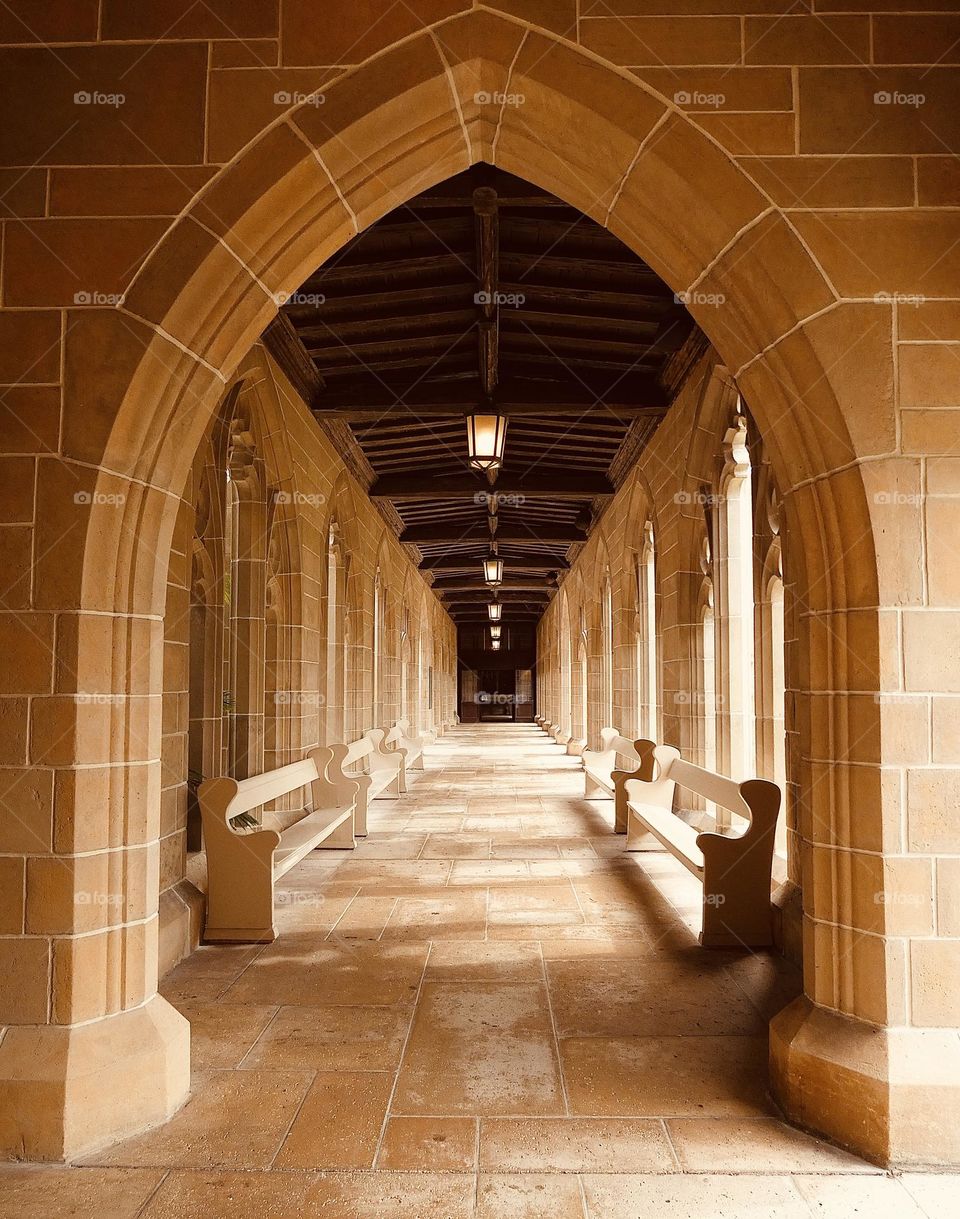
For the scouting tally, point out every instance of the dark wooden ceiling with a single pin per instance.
(487, 291)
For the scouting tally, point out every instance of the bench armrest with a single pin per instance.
(342, 788)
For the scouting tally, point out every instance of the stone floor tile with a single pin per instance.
(222, 1033)
(575, 1145)
(618, 998)
(364, 919)
(453, 961)
(445, 915)
(544, 903)
(340, 1122)
(936, 1194)
(480, 1048)
(529, 1196)
(332, 1039)
(40, 1191)
(666, 1076)
(233, 1195)
(755, 1145)
(456, 846)
(393, 1195)
(232, 1119)
(880, 1197)
(430, 1144)
(350, 973)
(690, 1197)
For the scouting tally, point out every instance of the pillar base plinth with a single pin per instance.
(889, 1095)
(67, 1092)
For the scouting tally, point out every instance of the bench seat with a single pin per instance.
(384, 772)
(603, 778)
(299, 839)
(679, 838)
(734, 866)
(245, 862)
(401, 737)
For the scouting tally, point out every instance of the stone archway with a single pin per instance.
(409, 118)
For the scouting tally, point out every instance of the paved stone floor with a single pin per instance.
(486, 1010)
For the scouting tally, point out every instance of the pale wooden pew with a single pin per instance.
(244, 862)
(400, 737)
(385, 772)
(734, 866)
(603, 777)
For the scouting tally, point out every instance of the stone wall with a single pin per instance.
(307, 494)
(171, 170)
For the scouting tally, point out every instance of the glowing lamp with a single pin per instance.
(486, 436)
(493, 571)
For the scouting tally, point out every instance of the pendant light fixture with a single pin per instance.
(493, 571)
(495, 630)
(486, 437)
(495, 644)
(494, 609)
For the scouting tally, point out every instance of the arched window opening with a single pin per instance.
(584, 676)
(245, 602)
(735, 571)
(647, 662)
(406, 710)
(378, 617)
(566, 671)
(772, 739)
(606, 653)
(334, 685)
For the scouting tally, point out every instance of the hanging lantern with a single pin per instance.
(493, 571)
(486, 435)
(495, 644)
(494, 609)
(495, 630)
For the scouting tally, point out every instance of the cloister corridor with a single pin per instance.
(486, 1011)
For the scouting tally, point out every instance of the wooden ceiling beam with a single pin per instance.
(561, 486)
(523, 560)
(444, 533)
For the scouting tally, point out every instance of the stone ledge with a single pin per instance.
(68, 1091)
(890, 1095)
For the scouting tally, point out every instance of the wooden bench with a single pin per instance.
(734, 866)
(244, 860)
(400, 737)
(603, 779)
(385, 772)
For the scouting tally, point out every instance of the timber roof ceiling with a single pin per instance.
(485, 292)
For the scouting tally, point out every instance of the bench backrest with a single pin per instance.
(753, 799)
(261, 789)
(612, 746)
(358, 750)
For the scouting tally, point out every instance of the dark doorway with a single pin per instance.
(496, 695)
